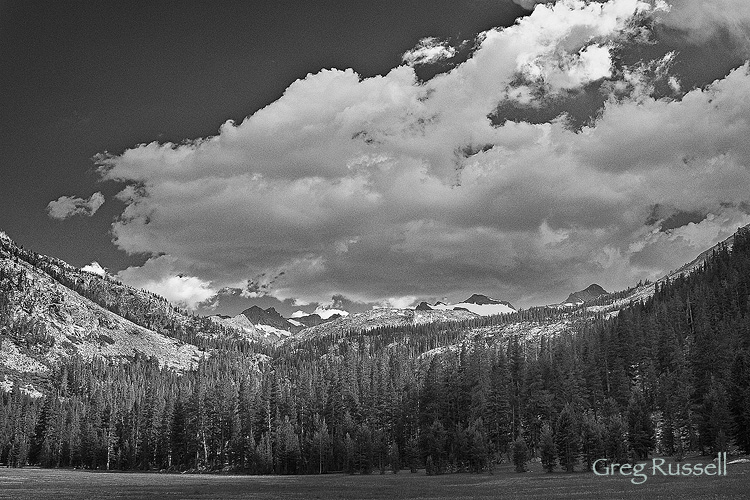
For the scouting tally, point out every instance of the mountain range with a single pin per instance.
(50, 310)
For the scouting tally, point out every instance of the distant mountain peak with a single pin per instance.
(482, 300)
(258, 315)
(478, 304)
(423, 306)
(591, 292)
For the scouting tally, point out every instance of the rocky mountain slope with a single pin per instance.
(269, 317)
(642, 291)
(589, 293)
(50, 310)
(378, 318)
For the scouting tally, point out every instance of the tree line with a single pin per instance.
(668, 375)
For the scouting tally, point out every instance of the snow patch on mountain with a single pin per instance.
(478, 304)
(253, 331)
(273, 331)
(382, 317)
(239, 324)
(478, 309)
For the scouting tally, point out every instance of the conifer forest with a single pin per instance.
(668, 375)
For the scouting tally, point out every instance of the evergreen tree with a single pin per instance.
(592, 439)
(434, 445)
(548, 448)
(394, 458)
(567, 438)
(615, 439)
(716, 419)
(478, 455)
(412, 454)
(740, 399)
(520, 454)
(640, 428)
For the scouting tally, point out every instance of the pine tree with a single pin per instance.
(592, 439)
(350, 462)
(434, 445)
(567, 438)
(478, 451)
(615, 439)
(740, 400)
(321, 444)
(412, 454)
(394, 458)
(640, 428)
(520, 454)
(548, 448)
(716, 420)
(288, 449)
(430, 469)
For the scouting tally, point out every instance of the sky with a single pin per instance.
(346, 155)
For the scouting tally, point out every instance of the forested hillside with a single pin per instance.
(670, 375)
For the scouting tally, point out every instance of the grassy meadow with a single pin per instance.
(59, 484)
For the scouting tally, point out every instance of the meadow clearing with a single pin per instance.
(34, 483)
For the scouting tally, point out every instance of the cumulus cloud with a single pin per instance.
(385, 189)
(399, 302)
(68, 206)
(159, 275)
(322, 311)
(687, 241)
(530, 4)
(95, 268)
(428, 50)
(703, 19)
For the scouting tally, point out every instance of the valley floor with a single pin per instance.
(59, 484)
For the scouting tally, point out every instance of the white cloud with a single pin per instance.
(68, 206)
(160, 276)
(385, 189)
(569, 43)
(703, 19)
(399, 302)
(95, 268)
(325, 312)
(322, 311)
(428, 50)
(530, 4)
(685, 242)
